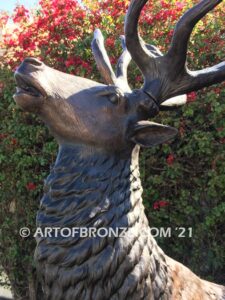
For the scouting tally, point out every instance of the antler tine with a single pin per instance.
(192, 80)
(134, 42)
(178, 49)
(102, 59)
(122, 65)
(195, 80)
(124, 60)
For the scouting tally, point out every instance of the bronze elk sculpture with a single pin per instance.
(95, 180)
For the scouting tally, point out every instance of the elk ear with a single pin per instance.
(148, 134)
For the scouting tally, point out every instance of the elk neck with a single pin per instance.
(86, 188)
(94, 187)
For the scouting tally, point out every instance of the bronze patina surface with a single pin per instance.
(95, 180)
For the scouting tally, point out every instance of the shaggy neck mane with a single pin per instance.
(89, 189)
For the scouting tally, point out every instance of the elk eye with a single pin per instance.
(114, 98)
(113, 93)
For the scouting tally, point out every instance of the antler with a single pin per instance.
(120, 78)
(122, 65)
(167, 76)
(102, 59)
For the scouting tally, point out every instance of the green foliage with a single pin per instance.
(193, 185)
(26, 150)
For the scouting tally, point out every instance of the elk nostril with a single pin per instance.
(33, 61)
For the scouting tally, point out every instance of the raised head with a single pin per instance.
(111, 116)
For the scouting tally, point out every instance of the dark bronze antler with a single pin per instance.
(102, 59)
(168, 76)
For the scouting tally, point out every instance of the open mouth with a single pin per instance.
(25, 86)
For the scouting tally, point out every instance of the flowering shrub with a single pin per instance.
(31, 186)
(188, 172)
(161, 203)
(170, 159)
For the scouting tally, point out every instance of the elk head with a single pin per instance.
(111, 116)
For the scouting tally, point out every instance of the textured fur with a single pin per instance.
(98, 190)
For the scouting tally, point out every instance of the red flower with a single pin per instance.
(161, 203)
(85, 65)
(222, 141)
(191, 97)
(138, 78)
(217, 90)
(170, 159)
(179, 5)
(31, 186)
(20, 14)
(110, 42)
(113, 60)
(3, 136)
(69, 62)
(13, 141)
